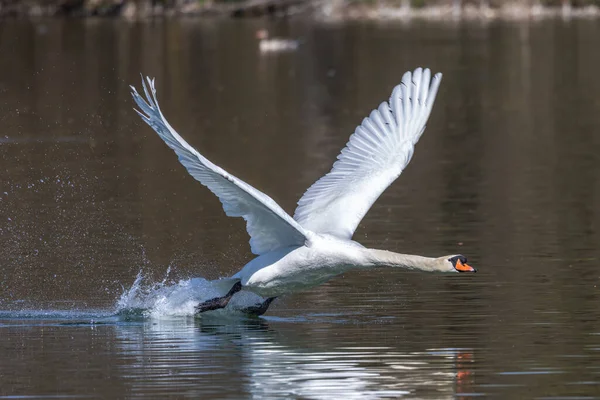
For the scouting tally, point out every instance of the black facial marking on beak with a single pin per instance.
(459, 263)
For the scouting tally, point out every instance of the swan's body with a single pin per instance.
(316, 245)
(291, 269)
(268, 45)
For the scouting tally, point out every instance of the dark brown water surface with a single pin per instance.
(507, 173)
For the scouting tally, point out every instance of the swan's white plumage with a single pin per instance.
(317, 245)
(373, 158)
(270, 227)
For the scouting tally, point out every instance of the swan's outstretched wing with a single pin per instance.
(268, 225)
(373, 158)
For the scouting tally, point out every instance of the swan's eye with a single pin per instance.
(458, 258)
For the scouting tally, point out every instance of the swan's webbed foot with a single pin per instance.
(218, 302)
(259, 309)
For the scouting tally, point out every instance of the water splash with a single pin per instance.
(168, 298)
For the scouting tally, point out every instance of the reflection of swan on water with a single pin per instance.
(256, 358)
(316, 245)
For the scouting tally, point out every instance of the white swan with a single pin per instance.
(316, 245)
(268, 45)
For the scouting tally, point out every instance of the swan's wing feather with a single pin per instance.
(373, 158)
(269, 226)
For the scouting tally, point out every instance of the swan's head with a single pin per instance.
(458, 263)
(262, 34)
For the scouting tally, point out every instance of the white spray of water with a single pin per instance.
(168, 299)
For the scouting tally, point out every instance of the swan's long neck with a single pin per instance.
(384, 258)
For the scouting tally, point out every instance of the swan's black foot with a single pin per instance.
(218, 302)
(259, 309)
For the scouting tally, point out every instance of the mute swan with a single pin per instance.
(316, 244)
(267, 45)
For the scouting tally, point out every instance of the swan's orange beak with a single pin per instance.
(460, 267)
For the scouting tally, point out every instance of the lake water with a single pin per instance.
(105, 239)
